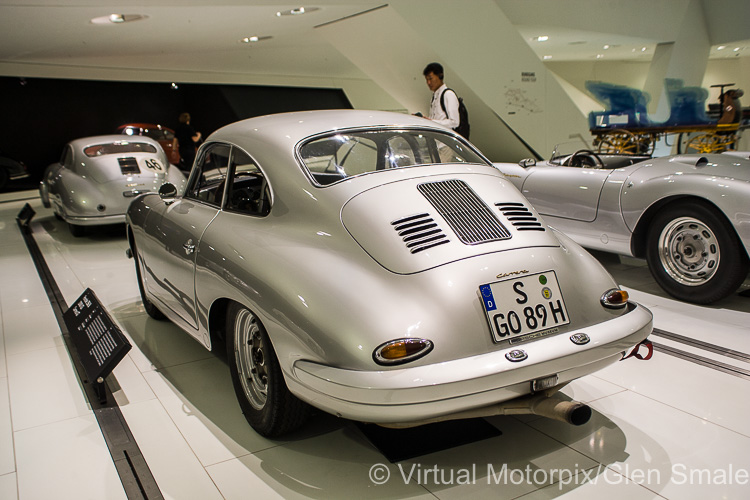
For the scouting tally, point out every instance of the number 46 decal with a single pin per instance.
(153, 165)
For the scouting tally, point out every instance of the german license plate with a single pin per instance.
(529, 306)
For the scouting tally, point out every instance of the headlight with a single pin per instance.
(614, 298)
(400, 351)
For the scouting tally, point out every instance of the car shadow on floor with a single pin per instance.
(195, 384)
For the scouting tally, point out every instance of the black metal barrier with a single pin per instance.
(95, 345)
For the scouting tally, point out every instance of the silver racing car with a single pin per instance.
(687, 215)
(378, 267)
(97, 178)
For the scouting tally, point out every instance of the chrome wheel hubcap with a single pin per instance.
(689, 251)
(249, 355)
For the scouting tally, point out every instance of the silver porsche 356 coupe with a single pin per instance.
(97, 178)
(687, 215)
(375, 266)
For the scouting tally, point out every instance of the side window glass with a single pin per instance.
(207, 182)
(248, 189)
(400, 153)
(66, 159)
(450, 151)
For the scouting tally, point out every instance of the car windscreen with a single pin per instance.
(116, 148)
(334, 157)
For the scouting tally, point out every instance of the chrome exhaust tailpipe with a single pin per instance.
(572, 412)
(545, 404)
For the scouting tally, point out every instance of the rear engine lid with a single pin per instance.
(413, 225)
(128, 168)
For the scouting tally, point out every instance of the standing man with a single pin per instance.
(433, 75)
(188, 140)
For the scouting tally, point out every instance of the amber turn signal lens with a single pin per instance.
(400, 351)
(615, 298)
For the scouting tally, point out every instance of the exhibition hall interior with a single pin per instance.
(245, 252)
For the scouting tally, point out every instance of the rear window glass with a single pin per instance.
(335, 157)
(116, 148)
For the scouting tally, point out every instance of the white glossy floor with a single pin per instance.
(664, 428)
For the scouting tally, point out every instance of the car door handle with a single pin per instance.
(189, 247)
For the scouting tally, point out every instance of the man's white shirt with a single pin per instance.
(451, 105)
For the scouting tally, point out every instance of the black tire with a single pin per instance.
(4, 178)
(694, 253)
(149, 306)
(264, 398)
(76, 230)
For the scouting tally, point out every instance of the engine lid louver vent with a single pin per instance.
(128, 165)
(419, 232)
(520, 216)
(470, 218)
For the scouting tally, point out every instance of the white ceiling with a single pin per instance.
(191, 35)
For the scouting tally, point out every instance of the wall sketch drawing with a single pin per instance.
(517, 99)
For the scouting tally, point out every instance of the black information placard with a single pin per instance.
(98, 340)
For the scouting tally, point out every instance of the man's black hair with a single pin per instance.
(435, 68)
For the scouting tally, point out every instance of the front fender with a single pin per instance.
(641, 197)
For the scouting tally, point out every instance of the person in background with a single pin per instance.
(188, 140)
(731, 110)
(433, 75)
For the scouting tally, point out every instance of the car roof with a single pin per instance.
(287, 129)
(145, 125)
(104, 139)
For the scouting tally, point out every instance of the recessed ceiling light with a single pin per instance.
(118, 18)
(541, 38)
(546, 57)
(599, 56)
(606, 47)
(736, 49)
(298, 11)
(253, 39)
(721, 47)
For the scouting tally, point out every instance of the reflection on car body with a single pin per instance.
(364, 263)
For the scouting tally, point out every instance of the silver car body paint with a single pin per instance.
(601, 208)
(330, 278)
(91, 190)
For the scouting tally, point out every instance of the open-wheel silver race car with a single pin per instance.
(687, 215)
(375, 266)
(97, 178)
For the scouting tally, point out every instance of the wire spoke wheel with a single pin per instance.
(710, 143)
(617, 142)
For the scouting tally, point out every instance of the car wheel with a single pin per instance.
(694, 253)
(265, 400)
(76, 230)
(4, 178)
(149, 306)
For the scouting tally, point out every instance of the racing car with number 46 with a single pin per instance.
(378, 267)
(97, 178)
